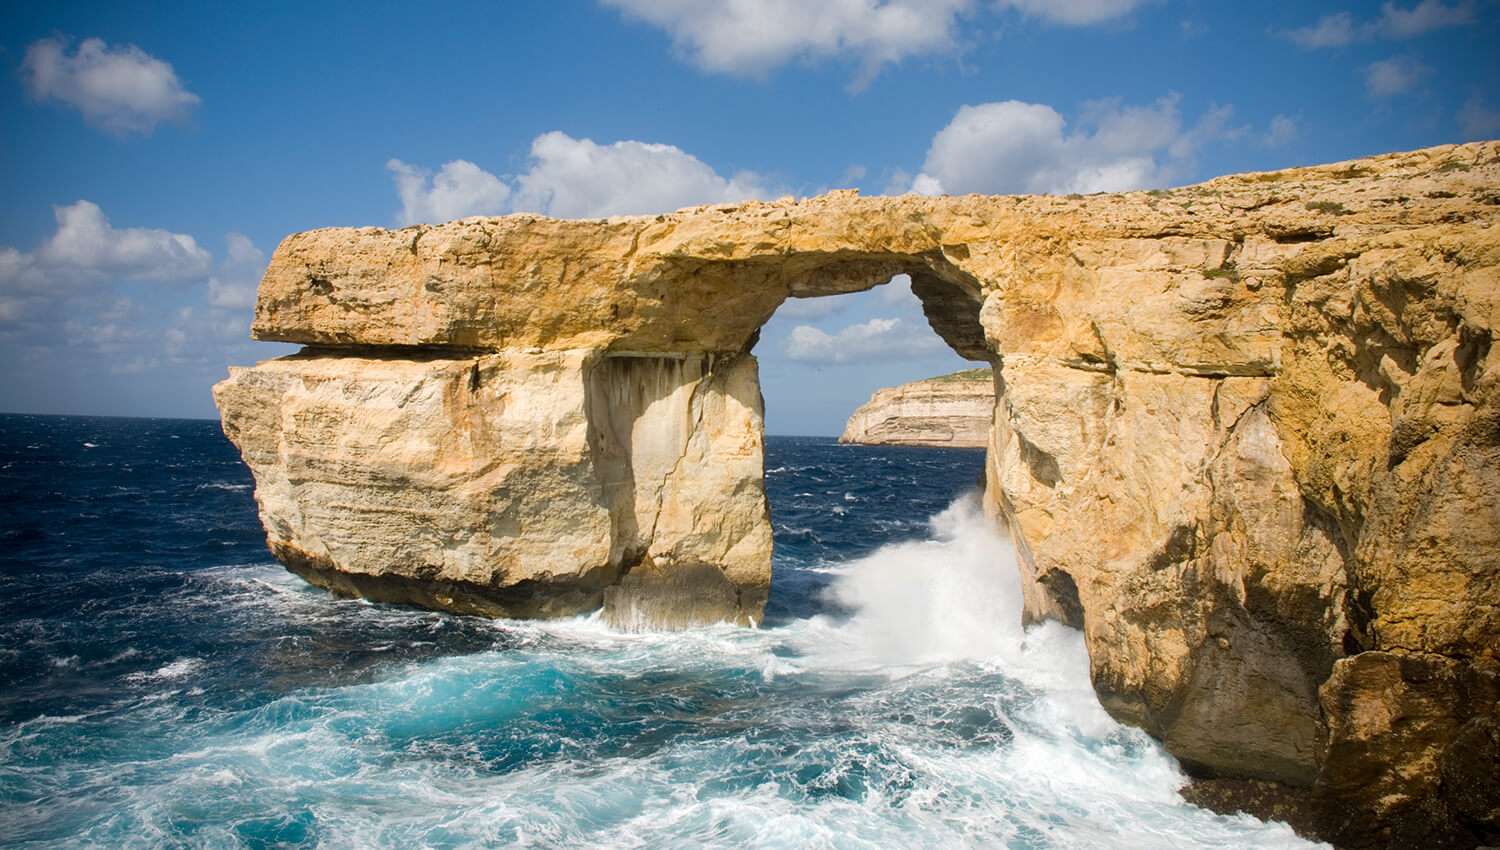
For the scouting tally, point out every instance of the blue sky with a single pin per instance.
(155, 153)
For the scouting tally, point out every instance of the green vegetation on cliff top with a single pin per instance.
(984, 374)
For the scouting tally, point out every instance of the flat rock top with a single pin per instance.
(704, 278)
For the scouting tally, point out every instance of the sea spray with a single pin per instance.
(173, 688)
(951, 597)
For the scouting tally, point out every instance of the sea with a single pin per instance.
(164, 683)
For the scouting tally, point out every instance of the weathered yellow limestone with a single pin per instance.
(943, 412)
(1246, 437)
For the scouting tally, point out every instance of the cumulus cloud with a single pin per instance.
(459, 189)
(877, 339)
(1393, 76)
(895, 294)
(74, 273)
(898, 292)
(86, 245)
(577, 178)
(1426, 16)
(242, 251)
(231, 294)
(79, 335)
(120, 90)
(233, 283)
(574, 178)
(1334, 30)
(1074, 12)
(1015, 147)
(812, 309)
(1340, 29)
(1281, 131)
(752, 37)
(1478, 121)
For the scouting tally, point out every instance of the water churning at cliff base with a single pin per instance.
(167, 685)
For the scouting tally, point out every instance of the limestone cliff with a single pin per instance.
(1246, 437)
(952, 411)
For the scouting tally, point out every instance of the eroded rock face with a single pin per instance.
(945, 412)
(1246, 437)
(512, 484)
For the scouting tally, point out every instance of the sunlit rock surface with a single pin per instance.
(953, 411)
(1247, 438)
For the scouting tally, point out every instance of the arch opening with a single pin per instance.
(863, 324)
(849, 329)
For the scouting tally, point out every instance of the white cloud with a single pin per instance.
(1478, 121)
(752, 37)
(1425, 17)
(1340, 29)
(120, 90)
(926, 184)
(898, 291)
(812, 309)
(1281, 131)
(1393, 76)
(877, 339)
(577, 178)
(851, 175)
(68, 319)
(242, 251)
(234, 295)
(1015, 147)
(1074, 12)
(994, 148)
(86, 244)
(234, 282)
(1192, 29)
(460, 189)
(133, 366)
(69, 281)
(574, 178)
(1334, 30)
(18, 273)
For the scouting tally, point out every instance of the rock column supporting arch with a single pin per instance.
(1247, 438)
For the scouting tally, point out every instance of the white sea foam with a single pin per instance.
(922, 715)
(221, 485)
(949, 598)
(178, 669)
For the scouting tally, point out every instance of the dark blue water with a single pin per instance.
(164, 683)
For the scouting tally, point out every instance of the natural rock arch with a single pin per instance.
(1244, 436)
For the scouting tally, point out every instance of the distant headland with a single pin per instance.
(950, 411)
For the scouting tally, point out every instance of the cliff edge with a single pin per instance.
(1246, 438)
(949, 411)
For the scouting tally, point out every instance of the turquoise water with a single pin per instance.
(166, 684)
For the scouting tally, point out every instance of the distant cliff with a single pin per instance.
(954, 411)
